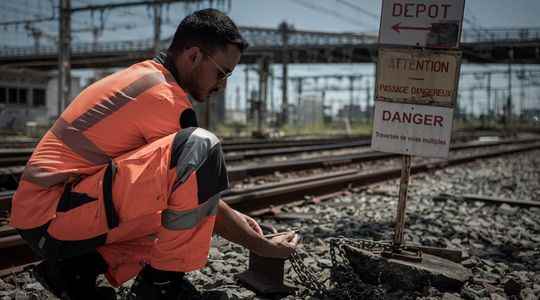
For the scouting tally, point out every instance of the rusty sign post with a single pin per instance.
(402, 202)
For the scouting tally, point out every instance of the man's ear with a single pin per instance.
(194, 56)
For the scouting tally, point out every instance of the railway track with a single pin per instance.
(240, 172)
(251, 145)
(264, 199)
(230, 157)
(251, 149)
(233, 152)
(11, 159)
(248, 144)
(270, 198)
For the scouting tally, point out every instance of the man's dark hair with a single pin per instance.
(209, 29)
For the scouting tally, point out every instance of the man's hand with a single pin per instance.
(241, 229)
(250, 222)
(281, 246)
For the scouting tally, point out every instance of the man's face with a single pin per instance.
(210, 75)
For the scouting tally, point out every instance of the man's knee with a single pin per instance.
(192, 138)
(191, 148)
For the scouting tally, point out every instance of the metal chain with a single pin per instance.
(307, 276)
(348, 285)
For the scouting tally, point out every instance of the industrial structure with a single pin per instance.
(276, 50)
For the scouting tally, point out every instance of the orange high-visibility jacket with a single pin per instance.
(131, 118)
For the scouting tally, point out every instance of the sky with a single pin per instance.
(487, 13)
(363, 15)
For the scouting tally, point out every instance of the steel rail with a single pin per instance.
(229, 146)
(19, 156)
(240, 172)
(294, 150)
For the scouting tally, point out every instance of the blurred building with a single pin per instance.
(27, 95)
(99, 74)
(252, 103)
(235, 116)
(217, 111)
(531, 115)
(311, 110)
(355, 113)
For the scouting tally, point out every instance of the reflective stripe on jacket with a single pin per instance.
(111, 117)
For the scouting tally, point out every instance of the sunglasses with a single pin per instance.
(223, 74)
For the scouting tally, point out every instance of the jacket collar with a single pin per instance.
(165, 58)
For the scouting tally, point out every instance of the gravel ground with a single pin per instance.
(501, 243)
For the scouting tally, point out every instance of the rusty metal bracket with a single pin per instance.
(378, 247)
(265, 275)
(388, 249)
(413, 254)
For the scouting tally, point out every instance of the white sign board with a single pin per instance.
(422, 23)
(412, 129)
(418, 76)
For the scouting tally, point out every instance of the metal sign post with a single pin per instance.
(402, 204)
(398, 249)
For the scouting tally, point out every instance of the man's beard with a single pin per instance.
(193, 88)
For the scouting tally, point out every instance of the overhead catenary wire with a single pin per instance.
(331, 12)
(128, 4)
(38, 18)
(472, 21)
(360, 9)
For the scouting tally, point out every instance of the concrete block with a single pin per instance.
(434, 271)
